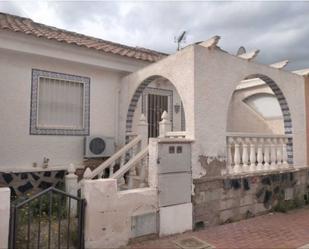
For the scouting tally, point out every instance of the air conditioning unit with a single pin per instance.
(98, 146)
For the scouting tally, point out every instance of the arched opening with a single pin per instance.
(153, 96)
(259, 116)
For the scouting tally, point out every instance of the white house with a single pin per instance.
(58, 87)
(231, 125)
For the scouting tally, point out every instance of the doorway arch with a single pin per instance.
(137, 95)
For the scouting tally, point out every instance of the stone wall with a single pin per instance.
(31, 182)
(224, 199)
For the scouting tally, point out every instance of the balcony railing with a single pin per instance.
(256, 152)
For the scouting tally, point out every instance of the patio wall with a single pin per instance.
(4, 217)
(113, 218)
(216, 76)
(227, 199)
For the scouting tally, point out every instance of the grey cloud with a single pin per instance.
(279, 29)
(10, 7)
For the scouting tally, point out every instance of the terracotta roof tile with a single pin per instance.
(29, 27)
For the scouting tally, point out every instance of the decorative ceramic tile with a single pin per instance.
(34, 130)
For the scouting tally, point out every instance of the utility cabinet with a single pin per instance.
(174, 173)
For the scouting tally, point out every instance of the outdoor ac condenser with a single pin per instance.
(98, 146)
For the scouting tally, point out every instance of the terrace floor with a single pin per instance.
(277, 230)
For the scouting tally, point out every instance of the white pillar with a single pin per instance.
(71, 187)
(266, 154)
(285, 154)
(279, 154)
(260, 154)
(4, 217)
(165, 125)
(142, 130)
(87, 176)
(252, 156)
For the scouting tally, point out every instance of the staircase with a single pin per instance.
(129, 165)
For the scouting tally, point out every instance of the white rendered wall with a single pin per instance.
(18, 148)
(216, 76)
(108, 218)
(242, 118)
(177, 69)
(4, 217)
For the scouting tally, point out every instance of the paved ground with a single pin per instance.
(278, 230)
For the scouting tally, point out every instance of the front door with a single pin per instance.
(157, 104)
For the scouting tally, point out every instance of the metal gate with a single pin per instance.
(157, 104)
(50, 219)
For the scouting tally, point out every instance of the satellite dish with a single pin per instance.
(241, 50)
(180, 39)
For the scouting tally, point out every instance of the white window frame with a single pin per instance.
(35, 128)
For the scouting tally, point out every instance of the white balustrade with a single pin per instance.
(252, 156)
(256, 152)
(245, 157)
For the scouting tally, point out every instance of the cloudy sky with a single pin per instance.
(279, 29)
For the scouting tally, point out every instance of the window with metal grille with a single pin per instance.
(60, 104)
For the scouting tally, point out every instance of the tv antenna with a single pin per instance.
(180, 39)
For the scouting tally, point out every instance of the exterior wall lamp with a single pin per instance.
(177, 108)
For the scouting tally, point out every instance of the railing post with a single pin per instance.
(165, 125)
(142, 130)
(285, 153)
(245, 157)
(111, 169)
(266, 154)
(130, 178)
(252, 155)
(273, 155)
(87, 176)
(142, 174)
(71, 187)
(260, 155)
(279, 153)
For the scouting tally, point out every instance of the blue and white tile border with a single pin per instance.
(287, 119)
(34, 130)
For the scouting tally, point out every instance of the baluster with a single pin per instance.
(273, 155)
(131, 176)
(285, 153)
(100, 175)
(260, 155)
(245, 157)
(279, 153)
(237, 168)
(266, 154)
(122, 157)
(252, 155)
(111, 169)
(143, 173)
